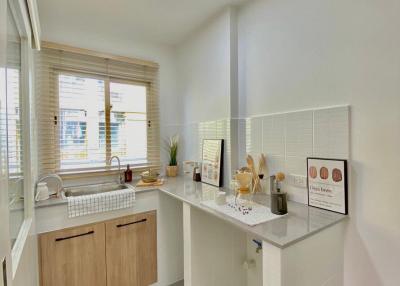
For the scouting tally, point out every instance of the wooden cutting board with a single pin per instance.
(159, 182)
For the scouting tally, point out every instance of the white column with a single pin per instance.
(187, 245)
(272, 265)
(314, 261)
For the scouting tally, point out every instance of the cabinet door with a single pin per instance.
(74, 256)
(131, 250)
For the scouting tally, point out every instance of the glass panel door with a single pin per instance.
(13, 128)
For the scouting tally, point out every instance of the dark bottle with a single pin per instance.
(128, 174)
(278, 198)
(197, 175)
(279, 203)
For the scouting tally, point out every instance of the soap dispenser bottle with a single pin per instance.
(128, 174)
(196, 173)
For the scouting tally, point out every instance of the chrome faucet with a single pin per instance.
(121, 181)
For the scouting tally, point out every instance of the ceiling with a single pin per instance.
(154, 21)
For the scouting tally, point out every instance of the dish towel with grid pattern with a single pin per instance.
(96, 203)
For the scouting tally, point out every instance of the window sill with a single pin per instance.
(74, 174)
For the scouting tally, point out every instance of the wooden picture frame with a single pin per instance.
(212, 162)
(327, 184)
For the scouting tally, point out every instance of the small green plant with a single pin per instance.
(172, 149)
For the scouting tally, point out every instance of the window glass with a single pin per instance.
(13, 124)
(128, 122)
(83, 135)
(81, 122)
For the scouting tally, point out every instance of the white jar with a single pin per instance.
(42, 192)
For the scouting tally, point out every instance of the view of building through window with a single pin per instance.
(128, 122)
(84, 137)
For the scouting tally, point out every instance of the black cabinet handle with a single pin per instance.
(73, 236)
(126, 224)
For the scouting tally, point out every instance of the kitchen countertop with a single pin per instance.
(300, 222)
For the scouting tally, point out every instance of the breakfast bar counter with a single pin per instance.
(300, 222)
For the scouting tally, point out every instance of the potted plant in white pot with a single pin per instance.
(172, 149)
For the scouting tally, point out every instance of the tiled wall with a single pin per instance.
(191, 138)
(193, 135)
(287, 139)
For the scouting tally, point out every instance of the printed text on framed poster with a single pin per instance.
(327, 184)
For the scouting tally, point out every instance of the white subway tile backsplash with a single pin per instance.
(208, 130)
(296, 194)
(331, 133)
(242, 142)
(273, 135)
(275, 164)
(223, 132)
(195, 133)
(221, 129)
(287, 140)
(296, 166)
(299, 134)
(255, 136)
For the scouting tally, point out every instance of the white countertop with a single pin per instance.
(301, 221)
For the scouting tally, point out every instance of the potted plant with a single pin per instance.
(172, 149)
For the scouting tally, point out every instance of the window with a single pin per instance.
(90, 108)
(85, 112)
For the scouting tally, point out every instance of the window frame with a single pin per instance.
(107, 168)
(24, 28)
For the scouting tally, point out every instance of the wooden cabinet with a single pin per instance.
(131, 250)
(119, 252)
(74, 257)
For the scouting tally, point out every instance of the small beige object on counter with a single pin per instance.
(158, 182)
(172, 171)
(42, 192)
(220, 198)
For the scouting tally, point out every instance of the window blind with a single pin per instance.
(14, 109)
(89, 108)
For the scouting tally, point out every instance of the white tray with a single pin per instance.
(258, 213)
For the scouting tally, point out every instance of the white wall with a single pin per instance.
(305, 54)
(204, 71)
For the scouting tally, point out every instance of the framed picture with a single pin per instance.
(211, 170)
(327, 184)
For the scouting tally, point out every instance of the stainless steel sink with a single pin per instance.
(94, 189)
